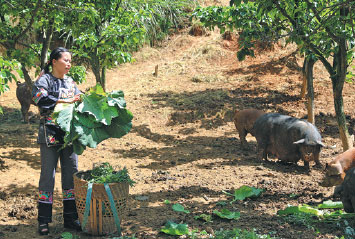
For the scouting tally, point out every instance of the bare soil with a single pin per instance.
(183, 146)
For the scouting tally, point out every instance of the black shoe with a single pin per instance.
(72, 224)
(43, 229)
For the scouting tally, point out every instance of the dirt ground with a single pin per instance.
(183, 146)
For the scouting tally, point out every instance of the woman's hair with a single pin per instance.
(55, 55)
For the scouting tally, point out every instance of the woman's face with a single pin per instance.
(63, 64)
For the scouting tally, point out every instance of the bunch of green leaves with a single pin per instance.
(179, 208)
(226, 214)
(105, 173)
(324, 211)
(245, 192)
(97, 117)
(172, 228)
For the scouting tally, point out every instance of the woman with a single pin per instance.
(51, 88)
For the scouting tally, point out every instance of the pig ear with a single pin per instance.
(301, 141)
(320, 143)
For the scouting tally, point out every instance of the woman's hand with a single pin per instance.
(70, 100)
(76, 98)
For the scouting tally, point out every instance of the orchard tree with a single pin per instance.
(322, 29)
(22, 23)
(16, 24)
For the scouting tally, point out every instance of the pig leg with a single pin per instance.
(338, 191)
(348, 206)
(306, 165)
(262, 153)
(316, 159)
(242, 135)
(24, 110)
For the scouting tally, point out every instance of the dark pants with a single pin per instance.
(69, 166)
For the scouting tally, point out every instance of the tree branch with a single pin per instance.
(30, 23)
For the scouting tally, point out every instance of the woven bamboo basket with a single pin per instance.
(101, 219)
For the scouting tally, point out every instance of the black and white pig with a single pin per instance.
(347, 191)
(289, 139)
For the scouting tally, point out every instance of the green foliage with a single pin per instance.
(245, 192)
(330, 204)
(98, 117)
(172, 228)
(78, 73)
(66, 235)
(204, 217)
(226, 214)
(300, 209)
(105, 173)
(308, 214)
(179, 208)
(6, 75)
(164, 16)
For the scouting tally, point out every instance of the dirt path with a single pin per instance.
(183, 146)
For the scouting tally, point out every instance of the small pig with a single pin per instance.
(335, 170)
(288, 138)
(24, 96)
(244, 121)
(347, 191)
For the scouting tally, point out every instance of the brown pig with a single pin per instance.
(24, 96)
(244, 121)
(335, 171)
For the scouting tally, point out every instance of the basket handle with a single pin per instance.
(87, 207)
(113, 208)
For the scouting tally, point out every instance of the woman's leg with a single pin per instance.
(69, 165)
(49, 160)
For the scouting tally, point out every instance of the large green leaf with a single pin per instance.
(91, 136)
(180, 208)
(175, 229)
(97, 106)
(78, 147)
(301, 209)
(120, 125)
(116, 98)
(64, 115)
(225, 213)
(87, 120)
(245, 192)
(330, 204)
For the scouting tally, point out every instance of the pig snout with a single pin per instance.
(330, 181)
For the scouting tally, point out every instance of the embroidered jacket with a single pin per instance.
(47, 90)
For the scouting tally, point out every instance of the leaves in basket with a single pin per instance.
(105, 173)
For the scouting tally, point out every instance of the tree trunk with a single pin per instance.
(47, 37)
(304, 79)
(95, 66)
(338, 85)
(103, 78)
(310, 90)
